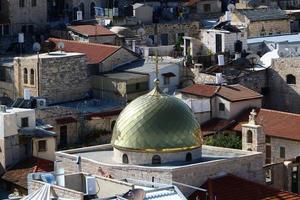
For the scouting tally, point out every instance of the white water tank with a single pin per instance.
(227, 16)
(90, 184)
(219, 79)
(26, 94)
(146, 52)
(60, 177)
(221, 60)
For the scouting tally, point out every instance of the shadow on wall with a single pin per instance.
(284, 90)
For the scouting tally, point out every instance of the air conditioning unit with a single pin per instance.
(90, 185)
(41, 103)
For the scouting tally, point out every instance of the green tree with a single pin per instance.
(224, 140)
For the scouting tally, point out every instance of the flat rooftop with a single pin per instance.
(54, 54)
(104, 154)
(277, 38)
(10, 111)
(93, 105)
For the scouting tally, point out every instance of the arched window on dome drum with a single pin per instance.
(25, 76)
(290, 79)
(249, 136)
(188, 157)
(156, 160)
(125, 159)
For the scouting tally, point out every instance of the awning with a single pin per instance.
(169, 74)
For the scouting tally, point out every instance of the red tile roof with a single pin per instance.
(231, 187)
(65, 120)
(91, 30)
(18, 174)
(96, 53)
(274, 123)
(214, 125)
(229, 92)
(200, 90)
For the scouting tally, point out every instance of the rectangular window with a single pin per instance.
(42, 146)
(166, 80)
(221, 107)
(137, 86)
(33, 3)
(21, 3)
(24, 122)
(282, 152)
(268, 154)
(164, 39)
(206, 7)
(2, 74)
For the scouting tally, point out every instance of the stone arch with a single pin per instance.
(25, 75)
(32, 77)
(249, 136)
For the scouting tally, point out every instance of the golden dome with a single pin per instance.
(156, 122)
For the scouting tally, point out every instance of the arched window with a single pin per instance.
(249, 136)
(290, 79)
(81, 7)
(93, 12)
(32, 77)
(188, 157)
(25, 76)
(156, 160)
(125, 159)
(75, 13)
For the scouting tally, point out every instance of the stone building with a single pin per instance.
(27, 16)
(56, 76)
(284, 89)
(260, 22)
(164, 131)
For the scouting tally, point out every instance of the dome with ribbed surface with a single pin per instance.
(156, 122)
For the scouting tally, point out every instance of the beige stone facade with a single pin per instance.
(55, 77)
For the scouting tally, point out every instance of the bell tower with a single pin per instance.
(253, 136)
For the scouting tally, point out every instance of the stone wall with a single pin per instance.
(291, 149)
(27, 15)
(283, 96)
(190, 29)
(272, 27)
(246, 165)
(61, 78)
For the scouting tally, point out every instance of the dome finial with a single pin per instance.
(156, 59)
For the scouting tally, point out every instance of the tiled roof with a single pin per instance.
(18, 174)
(96, 53)
(263, 14)
(200, 90)
(229, 92)
(275, 123)
(214, 125)
(91, 30)
(231, 187)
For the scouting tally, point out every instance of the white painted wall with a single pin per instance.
(11, 121)
(49, 154)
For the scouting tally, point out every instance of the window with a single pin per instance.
(290, 79)
(221, 107)
(188, 157)
(42, 146)
(206, 7)
(268, 176)
(166, 80)
(249, 136)
(156, 160)
(24, 122)
(137, 86)
(93, 12)
(25, 76)
(282, 152)
(2, 74)
(125, 159)
(21, 3)
(0, 5)
(33, 3)
(24, 29)
(6, 29)
(268, 139)
(81, 7)
(164, 39)
(268, 154)
(31, 77)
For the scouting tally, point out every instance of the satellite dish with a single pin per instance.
(231, 7)
(60, 45)
(36, 47)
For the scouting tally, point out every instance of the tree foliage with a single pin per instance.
(224, 140)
